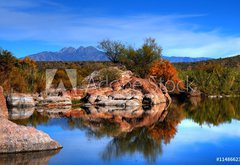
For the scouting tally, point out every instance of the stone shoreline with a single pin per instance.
(15, 138)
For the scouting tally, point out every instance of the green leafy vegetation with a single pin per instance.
(214, 79)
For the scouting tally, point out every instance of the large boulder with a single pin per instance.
(15, 138)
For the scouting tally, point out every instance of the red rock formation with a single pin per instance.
(128, 91)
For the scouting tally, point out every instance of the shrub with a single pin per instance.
(139, 61)
(213, 79)
(40, 80)
(109, 74)
(164, 71)
(76, 101)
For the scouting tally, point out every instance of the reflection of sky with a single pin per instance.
(202, 144)
(192, 144)
(190, 132)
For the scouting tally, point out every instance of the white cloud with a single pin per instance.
(173, 32)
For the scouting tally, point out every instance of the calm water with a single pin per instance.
(194, 131)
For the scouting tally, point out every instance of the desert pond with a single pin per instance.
(193, 131)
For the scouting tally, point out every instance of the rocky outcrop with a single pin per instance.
(53, 106)
(15, 138)
(3, 106)
(128, 91)
(20, 100)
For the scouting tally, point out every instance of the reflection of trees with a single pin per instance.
(95, 129)
(214, 111)
(166, 130)
(148, 140)
(145, 140)
(139, 140)
(34, 120)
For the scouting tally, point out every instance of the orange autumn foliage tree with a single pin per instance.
(165, 72)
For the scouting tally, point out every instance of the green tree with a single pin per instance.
(140, 60)
(113, 49)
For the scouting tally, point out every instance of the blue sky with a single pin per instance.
(182, 27)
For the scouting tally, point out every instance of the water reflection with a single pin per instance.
(213, 111)
(141, 132)
(145, 140)
(55, 112)
(20, 113)
(124, 120)
(36, 158)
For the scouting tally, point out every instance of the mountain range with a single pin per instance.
(90, 53)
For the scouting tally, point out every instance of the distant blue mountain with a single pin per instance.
(90, 53)
(71, 54)
(185, 59)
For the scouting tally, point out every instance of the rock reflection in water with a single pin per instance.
(55, 112)
(209, 111)
(18, 113)
(125, 119)
(29, 158)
